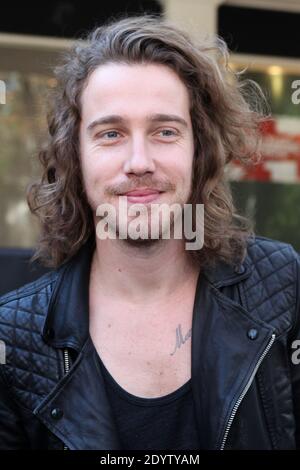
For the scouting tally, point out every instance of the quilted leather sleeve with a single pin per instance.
(278, 265)
(295, 356)
(28, 367)
(294, 345)
(12, 433)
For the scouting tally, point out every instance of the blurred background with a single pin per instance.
(264, 39)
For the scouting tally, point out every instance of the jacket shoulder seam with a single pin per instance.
(27, 290)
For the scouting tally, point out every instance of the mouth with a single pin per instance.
(142, 195)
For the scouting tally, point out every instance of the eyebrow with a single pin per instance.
(116, 119)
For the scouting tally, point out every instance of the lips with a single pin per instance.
(142, 192)
(142, 195)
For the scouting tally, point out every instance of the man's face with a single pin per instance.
(145, 141)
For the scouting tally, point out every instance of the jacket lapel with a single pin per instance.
(87, 422)
(223, 359)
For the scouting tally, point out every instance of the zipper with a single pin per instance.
(237, 404)
(66, 361)
(66, 368)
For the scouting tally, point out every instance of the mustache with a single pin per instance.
(136, 183)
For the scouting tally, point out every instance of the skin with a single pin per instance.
(147, 282)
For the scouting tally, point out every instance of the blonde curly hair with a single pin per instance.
(226, 116)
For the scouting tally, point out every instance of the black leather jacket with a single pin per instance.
(245, 386)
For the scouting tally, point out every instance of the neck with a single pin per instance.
(137, 274)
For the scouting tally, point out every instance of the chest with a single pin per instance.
(148, 354)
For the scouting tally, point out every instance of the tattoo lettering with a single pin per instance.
(180, 340)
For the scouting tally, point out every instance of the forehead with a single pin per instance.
(117, 87)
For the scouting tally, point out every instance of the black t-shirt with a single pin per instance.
(162, 423)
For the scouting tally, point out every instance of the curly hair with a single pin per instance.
(226, 115)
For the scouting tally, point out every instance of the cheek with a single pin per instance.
(182, 171)
(97, 174)
(179, 160)
(87, 173)
(184, 179)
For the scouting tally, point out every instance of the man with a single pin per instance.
(136, 342)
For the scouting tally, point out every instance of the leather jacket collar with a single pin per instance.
(66, 324)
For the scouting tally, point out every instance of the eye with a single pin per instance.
(170, 132)
(111, 134)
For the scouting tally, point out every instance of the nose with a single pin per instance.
(140, 159)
